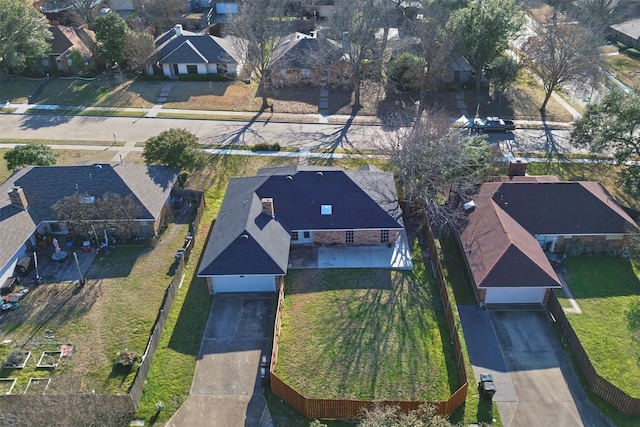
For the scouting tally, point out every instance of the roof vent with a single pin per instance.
(469, 206)
(326, 209)
(319, 173)
(245, 236)
(289, 178)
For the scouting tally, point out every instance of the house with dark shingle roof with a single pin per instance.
(517, 227)
(300, 58)
(183, 52)
(27, 197)
(261, 217)
(65, 40)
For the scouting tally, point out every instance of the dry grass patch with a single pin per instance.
(626, 69)
(223, 96)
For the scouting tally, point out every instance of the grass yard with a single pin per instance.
(626, 69)
(105, 91)
(17, 89)
(366, 334)
(114, 311)
(475, 410)
(608, 292)
(521, 102)
(224, 96)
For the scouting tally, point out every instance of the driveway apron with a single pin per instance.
(226, 389)
(546, 386)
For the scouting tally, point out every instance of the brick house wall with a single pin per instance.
(360, 237)
(593, 245)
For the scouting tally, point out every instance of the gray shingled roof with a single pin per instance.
(195, 49)
(43, 186)
(363, 199)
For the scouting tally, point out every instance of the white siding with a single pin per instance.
(212, 69)
(246, 283)
(514, 296)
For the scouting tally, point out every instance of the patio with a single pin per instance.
(61, 270)
(397, 257)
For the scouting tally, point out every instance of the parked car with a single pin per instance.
(492, 124)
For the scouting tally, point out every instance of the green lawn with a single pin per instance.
(608, 292)
(366, 334)
(475, 410)
(100, 319)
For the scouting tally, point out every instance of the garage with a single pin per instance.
(244, 283)
(524, 295)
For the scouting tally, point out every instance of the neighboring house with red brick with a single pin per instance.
(64, 41)
(27, 197)
(261, 217)
(306, 59)
(517, 227)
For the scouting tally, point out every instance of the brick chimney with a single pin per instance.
(267, 206)
(17, 197)
(517, 167)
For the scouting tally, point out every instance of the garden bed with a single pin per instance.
(37, 385)
(7, 384)
(16, 361)
(49, 359)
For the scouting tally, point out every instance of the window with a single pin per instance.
(192, 69)
(384, 236)
(307, 234)
(349, 236)
(305, 73)
(294, 236)
(55, 227)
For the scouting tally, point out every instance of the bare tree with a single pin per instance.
(162, 13)
(110, 212)
(432, 160)
(86, 12)
(596, 14)
(433, 47)
(561, 53)
(255, 30)
(361, 28)
(138, 48)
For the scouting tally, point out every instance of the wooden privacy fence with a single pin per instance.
(169, 295)
(353, 409)
(601, 387)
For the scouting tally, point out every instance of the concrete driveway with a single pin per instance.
(226, 389)
(540, 385)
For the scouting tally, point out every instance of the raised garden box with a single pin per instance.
(49, 359)
(9, 364)
(37, 385)
(6, 385)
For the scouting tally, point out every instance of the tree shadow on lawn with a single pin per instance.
(377, 336)
(50, 306)
(118, 263)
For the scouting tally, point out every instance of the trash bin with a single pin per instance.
(486, 386)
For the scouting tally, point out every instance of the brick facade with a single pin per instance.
(360, 238)
(593, 245)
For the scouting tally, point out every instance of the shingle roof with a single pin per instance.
(297, 50)
(194, 49)
(67, 38)
(363, 199)
(43, 186)
(498, 238)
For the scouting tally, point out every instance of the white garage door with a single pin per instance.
(514, 296)
(244, 284)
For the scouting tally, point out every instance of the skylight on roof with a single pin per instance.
(326, 209)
